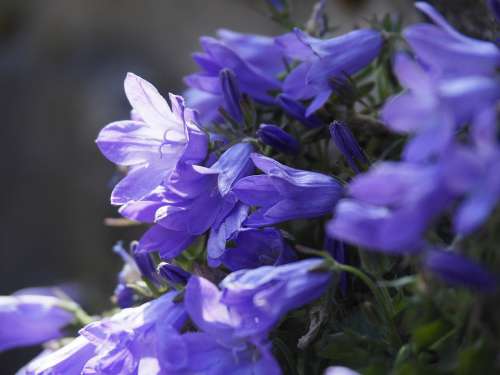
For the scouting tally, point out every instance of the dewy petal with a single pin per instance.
(167, 242)
(129, 142)
(149, 104)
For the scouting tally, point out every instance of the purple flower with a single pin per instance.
(153, 146)
(234, 321)
(440, 47)
(251, 302)
(432, 108)
(285, 193)
(324, 63)
(347, 145)
(297, 111)
(471, 171)
(390, 217)
(201, 353)
(278, 139)
(191, 190)
(457, 270)
(32, 319)
(245, 56)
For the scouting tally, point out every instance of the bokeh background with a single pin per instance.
(62, 65)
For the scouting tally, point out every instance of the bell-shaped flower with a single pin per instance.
(238, 247)
(432, 109)
(390, 217)
(325, 63)
(29, 319)
(285, 193)
(448, 52)
(196, 198)
(253, 59)
(125, 343)
(152, 145)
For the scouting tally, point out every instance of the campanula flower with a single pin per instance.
(347, 145)
(32, 319)
(324, 63)
(390, 217)
(125, 343)
(471, 171)
(191, 190)
(285, 193)
(432, 109)
(278, 139)
(244, 56)
(441, 47)
(247, 304)
(153, 147)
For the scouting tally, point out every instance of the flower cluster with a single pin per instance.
(292, 165)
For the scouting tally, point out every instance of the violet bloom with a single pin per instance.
(390, 217)
(192, 190)
(237, 318)
(278, 139)
(471, 171)
(324, 62)
(457, 270)
(285, 193)
(440, 47)
(153, 145)
(245, 56)
(432, 109)
(251, 302)
(347, 145)
(32, 319)
(126, 343)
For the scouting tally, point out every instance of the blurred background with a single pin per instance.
(62, 65)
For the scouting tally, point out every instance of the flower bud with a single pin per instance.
(296, 110)
(173, 274)
(277, 5)
(347, 144)
(231, 93)
(278, 139)
(145, 265)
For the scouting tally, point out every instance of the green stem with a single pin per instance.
(382, 297)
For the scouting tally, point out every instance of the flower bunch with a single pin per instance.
(313, 201)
